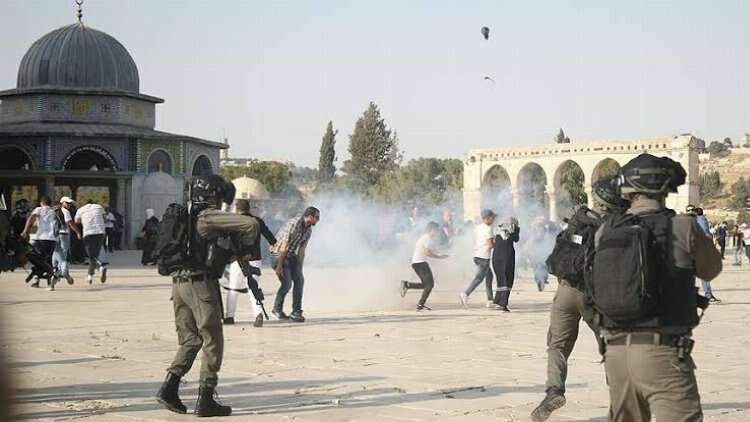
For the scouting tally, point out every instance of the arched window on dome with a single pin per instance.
(202, 166)
(159, 160)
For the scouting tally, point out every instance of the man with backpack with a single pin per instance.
(190, 250)
(570, 262)
(645, 299)
(46, 236)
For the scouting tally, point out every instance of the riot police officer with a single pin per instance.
(196, 297)
(647, 360)
(569, 306)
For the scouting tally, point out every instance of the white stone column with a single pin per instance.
(589, 196)
(516, 197)
(552, 195)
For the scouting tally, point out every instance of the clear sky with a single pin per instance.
(271, 74)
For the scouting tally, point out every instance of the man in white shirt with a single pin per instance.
(483, 244)
(66, 227)
(91, 218)
(422, 250)
(46, 236)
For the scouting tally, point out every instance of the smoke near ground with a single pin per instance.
(360, 250)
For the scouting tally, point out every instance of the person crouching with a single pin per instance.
(422, 250)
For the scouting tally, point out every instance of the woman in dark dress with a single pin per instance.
(504, 261)
(150, 231)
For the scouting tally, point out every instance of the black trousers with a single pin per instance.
(94, 244)
(427, 281)
(722, 246)
(505, 270)
(110, 242)
(147, 257)
(44, 250)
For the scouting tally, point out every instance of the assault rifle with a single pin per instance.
(249, 271)
(240, 251)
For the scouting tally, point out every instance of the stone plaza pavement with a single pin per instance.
(98, 353)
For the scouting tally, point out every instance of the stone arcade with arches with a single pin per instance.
(77, 122)
(532, 177)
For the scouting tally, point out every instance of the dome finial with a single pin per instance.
(80, 10)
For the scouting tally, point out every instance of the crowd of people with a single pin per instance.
(64, 234)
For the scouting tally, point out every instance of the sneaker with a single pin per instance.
(714, 299)
(104, 275)
(553, 401)
(423, 308)
(297, 317)
(501, 308)
(280, 315)
(464, 298)
(258, 321)
(51, 283)
(490, 304)
(404, 287)
(69, 279)
(90, 278)
(35, 282)
(229, 321)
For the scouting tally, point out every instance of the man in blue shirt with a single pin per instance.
(706, 227)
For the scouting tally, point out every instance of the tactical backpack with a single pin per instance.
(574, 247)
(630, 261)
(172, 240)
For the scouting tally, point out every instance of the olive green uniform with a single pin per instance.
(646, 374)
(565, 316)
(197, 302)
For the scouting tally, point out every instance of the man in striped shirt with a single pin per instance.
(288, 255)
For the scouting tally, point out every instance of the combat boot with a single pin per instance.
(207, 406)
(554, 400)
(168, 394)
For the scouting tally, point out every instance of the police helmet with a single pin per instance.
(212, 189)
(607, 191)
(651, 175)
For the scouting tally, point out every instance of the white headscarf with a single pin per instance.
(149, 213)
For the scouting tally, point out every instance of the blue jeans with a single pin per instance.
(738, 255)
(60, 256)
(292, 274)
(483, 273)
(706, 288)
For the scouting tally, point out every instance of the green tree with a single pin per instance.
(374, 151)
(728, 142)
(718, 149)
(560, 138)
(275, 176)
(572, 181)
(326, 169)
(423, 180)
(740, 194)
(709, 185)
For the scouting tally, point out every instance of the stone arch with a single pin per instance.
(159, 160)
(531, 186)
(496, 188)
(569, 187)
(605, 167)
(202, 166)
(89, 158)
(13, 157)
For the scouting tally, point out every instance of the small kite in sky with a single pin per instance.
(486, 32)
(487, 78)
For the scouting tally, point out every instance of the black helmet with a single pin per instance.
(649, 174)
(607, 191)
(212, 189)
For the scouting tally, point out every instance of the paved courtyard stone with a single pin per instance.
(99, 352)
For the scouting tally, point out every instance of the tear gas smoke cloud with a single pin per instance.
(360, 250)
